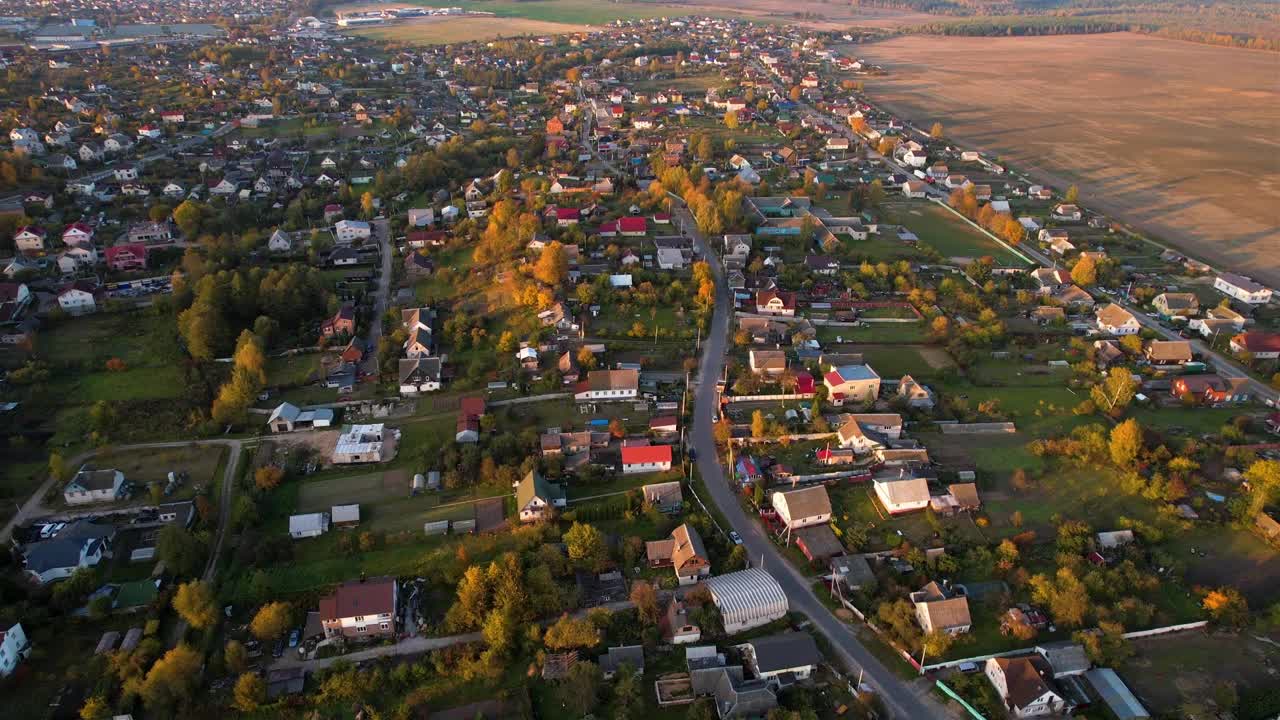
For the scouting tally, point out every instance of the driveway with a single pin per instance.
(905, 700)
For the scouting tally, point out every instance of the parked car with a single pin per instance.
(735, 537)
(294, 636)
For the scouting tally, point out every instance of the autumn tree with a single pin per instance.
(935, 132)
(875, 192)
(646, 602)
(1115, 392)
(1073, 195)
(1085, 272)
(1227, 606)
(188, 216)
(250, 692)
(236, 656)
(731, 119)
(1264, 485)
(758, 427)
(569, 632)
(1106, 646)
(194, 602)
(268, 477)
(271, 621)
(1126, 443)
(95, 708)
(366, 205)
(552, 265)
(172, 680)
(1066, 597)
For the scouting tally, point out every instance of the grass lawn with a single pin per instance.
(949, 234)
(448, 30)
(1232, 557)
(875, 333)
(135, 383)
(1198, 420)
(907, 360)
(385, 503)
(153, 465)
(292, 370)
(620, 483)
(100, 336)
(1168, 670)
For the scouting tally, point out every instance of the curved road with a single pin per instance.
(907, 701)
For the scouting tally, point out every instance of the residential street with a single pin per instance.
(907, 701)
(382, 232)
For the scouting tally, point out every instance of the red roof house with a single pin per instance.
(646, 458)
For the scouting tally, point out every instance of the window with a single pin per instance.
(359, 618)
(360, 628)
(385, 626)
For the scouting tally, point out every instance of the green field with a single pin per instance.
(581, 12)
(890, 333)
(949, 233)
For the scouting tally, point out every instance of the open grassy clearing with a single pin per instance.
(949, 234)
(155, 464)
(446, 30)
(882, 333)
(138, 383)
(1156, 164)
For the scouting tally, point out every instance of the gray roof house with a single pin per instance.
(94, 486)
(782, 659)
(632, 655)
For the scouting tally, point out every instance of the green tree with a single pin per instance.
(1106, 646)
(1264, 484)
(875, 193)
(250, 692)
(188, 216)
(579, 691)
(181, 550)
(58, 467)
(236, 656)
(587, 546)
(194, 602)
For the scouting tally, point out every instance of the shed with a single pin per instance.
(345, 515)
(747, 599)
(818, 543)
(131, 639)
(1116, 695)
(107, 642)
(308, 525)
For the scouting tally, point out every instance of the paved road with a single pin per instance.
(907, 701)
(383, 233)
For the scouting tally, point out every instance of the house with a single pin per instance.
(94, 486)
(1023, 685)
(308, 525)
(852, 436)
(666, 426)
(1216, 320)
(684, 552)
(1168, 352)
(343, 322)
(1212, 389)
(902, 494)
(1242, 288)
(1259, 345)
(150, 232)
(666, 497)
(914, 188)
(361, 609)
(567, 216)
(78, 298)
(646, 458)
(853, 571)
(29, 238)
(776, 302)
(1176, 304)
(537, 499)
(782, 659)
(802, 508)
(348, 231)
(419, 375)
(1115, 320)
(608, 385)
(287, 417)
(631, 656)
(14, 648)
(937, 609)
(914, 394)
(127, 258)
(364, 444)
(769, 362)
(80, 544)
(280, 242)
(1066, 211)
(77, 257)
(852, 383)
(421, 217)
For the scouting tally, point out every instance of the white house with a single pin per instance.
(803, 508)
(280, 242)
(308, 525)
(1115, 320)
(94, 486)
(794, 654)
(77, 299)
(348, 231)
(606, 385)
(901, 495)
(1023, 684)
(14, 647)
(1242, 288)
(419, 375)
(646, 458)
(940, 611)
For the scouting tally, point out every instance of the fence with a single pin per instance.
(979, 659)
(1167, 629)
(764, 440)
(440, 527)
(978, 428)
(880, 633)
(462, 526)
(768, 398)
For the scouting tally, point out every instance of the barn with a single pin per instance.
(747, 599)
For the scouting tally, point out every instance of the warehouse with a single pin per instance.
(746, 599)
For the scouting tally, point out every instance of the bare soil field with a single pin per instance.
(1184, 667)
(1176, 138)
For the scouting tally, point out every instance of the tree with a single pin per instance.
(1115, 392)
(366, 204)
(1227, 606)
(646, 602)
(552, 265)
(58, 467)
(579, 690)
(250, 692)
(1264, 484)
(935, 132)
(1066, 597)
(1085, 272)
(570, 632)
(267, 477)
(586, 546)
(1126, 443)
(1073, 194)
(188, 216)
(173, 679)
(1106, 646)
(95, 708)
(194, 602)
(181, 550)
(731, 119)
(758, 427)
(875, 193)
(271, 621)
(236, 656)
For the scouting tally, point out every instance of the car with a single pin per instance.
(735, 537)
(967, 667)
(294, 636)
(693, 453)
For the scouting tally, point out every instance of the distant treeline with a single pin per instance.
(1018, 25)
